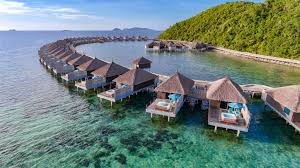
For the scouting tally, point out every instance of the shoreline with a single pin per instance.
(247, 55)
(258, 57)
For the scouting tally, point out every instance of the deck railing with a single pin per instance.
(246, 115)
(179, 104)
(76, 75)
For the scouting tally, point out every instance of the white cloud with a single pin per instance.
(13, 7)
(66, 10)
(78, 16)
(19, 8)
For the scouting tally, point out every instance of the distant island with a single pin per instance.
(134, 29)
(269, 28)
(12, 30)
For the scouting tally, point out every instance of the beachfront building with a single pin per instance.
(171, 95)
(130, 83)
(142, 63)
(227, 106)
(285, 101)
(91, 82)
(76, 74)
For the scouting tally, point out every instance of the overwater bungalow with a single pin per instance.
(227, 106)
(91, 82)
(142, 63)
(61, 67)
(77, 74)
(285, 101)
(130, 83)
(171, 95)
(105, 75)
(52, 58)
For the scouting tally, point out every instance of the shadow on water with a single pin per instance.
(268, 127)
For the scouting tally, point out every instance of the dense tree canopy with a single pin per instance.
(269, 28)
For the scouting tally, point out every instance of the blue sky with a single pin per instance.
(98, 14)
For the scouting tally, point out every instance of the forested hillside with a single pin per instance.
(269, 28)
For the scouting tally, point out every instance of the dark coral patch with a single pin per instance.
(121, 158)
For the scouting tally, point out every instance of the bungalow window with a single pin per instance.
(223, 105)
(286, 111)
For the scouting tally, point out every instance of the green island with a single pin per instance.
(270, 28)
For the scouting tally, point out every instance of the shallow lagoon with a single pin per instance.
(45, 123)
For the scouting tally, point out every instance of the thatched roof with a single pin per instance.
(71, 57)
(91, 65)
(177, 83)
(80, 60)
(110, 70)
(62, 55)
(135, 77)
(58, 52)
(141, 60)
(55, 50)
(288, 96)
(226, 90)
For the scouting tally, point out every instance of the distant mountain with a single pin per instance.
(116, 29)
(269, 28)
(137, 31)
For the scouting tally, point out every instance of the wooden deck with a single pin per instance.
(117, 94)
(152, 109)
(84, 86)
(214, 115)
(74, 76)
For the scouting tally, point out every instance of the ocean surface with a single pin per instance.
(47, 123)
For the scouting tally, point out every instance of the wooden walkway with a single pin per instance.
(255, 89)
(258, 57)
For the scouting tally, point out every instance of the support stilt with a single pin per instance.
(111, 103)
(215, 129)
(151, 115)
(168, 119)
(238, 133)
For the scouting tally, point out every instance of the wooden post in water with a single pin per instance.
(238, 133)
(215, 129)
(111, 104)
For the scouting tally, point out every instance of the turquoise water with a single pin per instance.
(45, 123)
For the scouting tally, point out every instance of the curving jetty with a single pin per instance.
(224, 99)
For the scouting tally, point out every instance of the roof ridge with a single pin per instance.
(134, 75)
(180, 81)
(109, 67)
